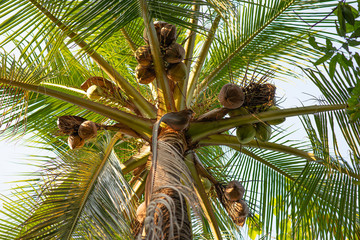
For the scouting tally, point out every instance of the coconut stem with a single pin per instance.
(163, 91)
(189, 51)
(198, 131)
(134, 122)
(132, 45)
(200, 61)
(203, 197)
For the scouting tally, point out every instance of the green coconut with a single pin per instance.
(275, 121)
(263, 131)
(206, 183)
(245, 133)
(238, 112)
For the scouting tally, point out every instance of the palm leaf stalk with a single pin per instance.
(144, 106)
(266, 185)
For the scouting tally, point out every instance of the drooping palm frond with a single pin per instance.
(336, 91)
(83, 189)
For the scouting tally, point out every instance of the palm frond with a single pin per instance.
(262, 33)
(76, 190)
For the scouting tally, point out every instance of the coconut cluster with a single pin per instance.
(173, 55)
(254, 98)
(79, 130)
(231, 197)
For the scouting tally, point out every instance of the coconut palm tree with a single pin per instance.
(158, 159)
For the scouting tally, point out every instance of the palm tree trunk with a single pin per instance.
(167, 214)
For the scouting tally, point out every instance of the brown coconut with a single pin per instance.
(141, 212)
(87, 130)
(177, 72)
(231, 96)
(234, 191)
(158, 25)
(175, 53)
(145, 74)
(100, 82)
(69, 124)
(238, 212)
(167, 35)
(75, 141)
(143, 55)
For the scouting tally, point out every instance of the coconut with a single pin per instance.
(143, 55)
(69, 124)
(94, 92)
(234, 191)
(75, 141)
(238, 112)
(158, 25)
(87, 130)
(145, 74)
(141, 212)
(177, 72)
(238, 212)
(167, 35)
(175, 53)
(206, 183)
(275, 121)
(100, 82)
(263, 132)
(231, 96)
(245, 133)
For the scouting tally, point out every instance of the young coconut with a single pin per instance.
(231, 96)
(234, 191)
(177, 72)
(75, 141)
(263, 132)
(143, 55)
(238, 112)
(87, 130)
(175, 53)
(275, 121)
(69, 124)
(245, 133)
(145, 74)
(95, 92)
(206, 183)
(167, 35)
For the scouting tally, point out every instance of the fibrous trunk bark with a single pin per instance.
(167, 213)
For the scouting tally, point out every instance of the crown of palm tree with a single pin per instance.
(294, 189)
